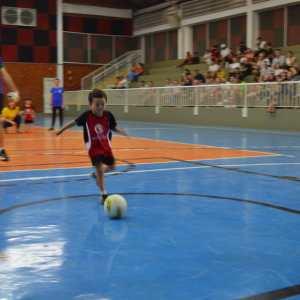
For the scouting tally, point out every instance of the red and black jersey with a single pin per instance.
(28, 112)
(97, 132)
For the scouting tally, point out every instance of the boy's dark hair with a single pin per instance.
(56, 79)
(27, 98)
(142, 81)
(96, 93)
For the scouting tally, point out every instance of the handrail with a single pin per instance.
(91, 78)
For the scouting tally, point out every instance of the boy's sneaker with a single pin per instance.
(18, 131)
(3, 155)
(268, 112)
(51, 128)
(5, 131)
(103, 198)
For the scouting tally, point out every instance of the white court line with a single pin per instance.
(163, 162)
(146, 171)
(212, 127)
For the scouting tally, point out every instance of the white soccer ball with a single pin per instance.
(115, 206)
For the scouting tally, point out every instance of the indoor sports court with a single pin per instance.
(213, 213)
(149, 150)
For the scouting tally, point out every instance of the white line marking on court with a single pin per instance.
(146, 171)
(163, 162)
(211, 127)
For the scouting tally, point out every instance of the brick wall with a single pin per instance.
(78, 71)
(29, 80)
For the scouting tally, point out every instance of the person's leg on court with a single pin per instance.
(61, 116)
(53, 116)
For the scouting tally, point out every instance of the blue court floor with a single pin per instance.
(220, 229)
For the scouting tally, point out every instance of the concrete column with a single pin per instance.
(143, 48)
(252, 27)
(185, 41)
(59, 33)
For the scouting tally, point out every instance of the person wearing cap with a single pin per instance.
(5, 76)
(224, 55)
(11, 114)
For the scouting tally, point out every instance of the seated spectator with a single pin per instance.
(11, 116)
(188, 82)
(278, 59)
(260, 46)
(220, 73)
(283, 76)
(249, 55)
(213, 67)
(215, 53)
(117, 84)
(143, 84)
(269, 53)
(265, 71)
(195, 82)
(230, 56)
(186, 74)
(277, 70)
(149, 95)
(218, 80)
(121, 83)
(130, 74)
(235, 65)
(195, 59)
(186, 61)
(167, 96)
(270, 78)
(224, 81)
(242, 57)
(199, 76)
(291, 62)
(139, 71)
(241, 48)
(257, 66)
(246, 68)
(292, 77)
(206, 57)
(224, 55)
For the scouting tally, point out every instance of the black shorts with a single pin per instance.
(1, 103)
(28, 121)
(102, 159)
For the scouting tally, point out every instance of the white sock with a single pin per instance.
(1, 149)
(103, 192)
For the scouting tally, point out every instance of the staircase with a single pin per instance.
(106, 75)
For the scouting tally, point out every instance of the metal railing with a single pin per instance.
(286, 94)
(113, 68)
(200, 8)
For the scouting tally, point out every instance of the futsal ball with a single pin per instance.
(115, 206)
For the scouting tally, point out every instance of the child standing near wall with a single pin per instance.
(29, 114)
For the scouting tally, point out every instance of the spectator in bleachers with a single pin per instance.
(265, 71)
(241, 48)
(257, 66)
(224, 55)
(260, 46)
(213, 67)
(277, 70)
(278, 59)
(195, 59)
(167, 96)
(292, 77)
(235, 65)
(224, 81)
(283, 76)
(199, 76)
(130, 74)
(218, 80)
(195, 82)
(186, 74)
(270, 78)
(246, 68)
(249, 55)
(143, 84)
(149, 94)
(242, 57)
(269, 53)
(186, 61)
(291, 62)
(206, 57)
(117, 84)
(220, 73)
(122, 83)
(215, 53)
(139, 71)
(230, 56)
(188, 82)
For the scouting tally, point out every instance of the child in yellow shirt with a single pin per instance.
(11, 115)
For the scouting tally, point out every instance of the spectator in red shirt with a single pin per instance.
(215, 53)
(139, 71)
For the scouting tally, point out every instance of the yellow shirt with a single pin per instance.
(10, 114)
(221, 74)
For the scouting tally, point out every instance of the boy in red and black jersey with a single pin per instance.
(28, 111)
(97, 125)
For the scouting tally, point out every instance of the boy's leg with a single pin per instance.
(53, 116)
(61, 116)
(17, 120)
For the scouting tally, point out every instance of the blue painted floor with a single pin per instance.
(203, 242)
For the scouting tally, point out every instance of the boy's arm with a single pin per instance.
(61, 130)
(123, 131)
